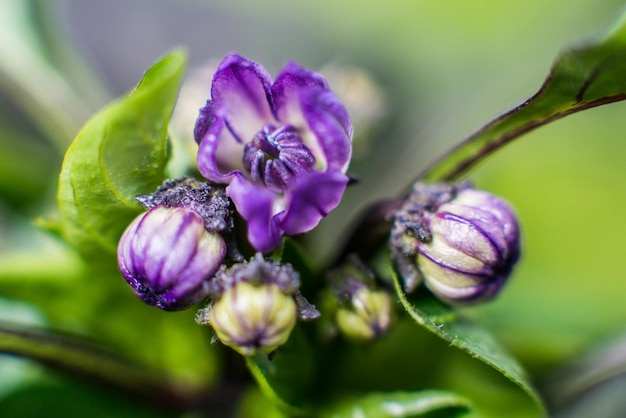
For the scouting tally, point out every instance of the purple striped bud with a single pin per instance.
(167, 256)
(253, 319)
(255, 305)
(466, 242)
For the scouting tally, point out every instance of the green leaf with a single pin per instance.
(119, 153)
(468, 337)
(399, 404)
(582, 78)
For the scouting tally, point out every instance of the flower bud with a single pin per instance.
(363, 309)
(368, 316)
(466, 244)
(167, 256)
(253, 319)
(475, 243)
(255, 305)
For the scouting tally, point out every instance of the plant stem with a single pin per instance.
(459, 159)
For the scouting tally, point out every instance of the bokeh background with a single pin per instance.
(430, 73)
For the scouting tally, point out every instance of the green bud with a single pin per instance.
(368, 316)
(253, 319)
(254, 305)
(362, 307)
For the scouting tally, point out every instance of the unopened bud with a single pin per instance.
(367, 317)
(466, 246)
(167, 256)
(255, 305)
(364, 309)
(253, 319)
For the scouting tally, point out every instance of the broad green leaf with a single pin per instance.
(468, 337)
(119, 153)
(399, 404)
(582, 78)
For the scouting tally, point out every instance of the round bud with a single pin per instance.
(253, 318)
(474, 246)
(167, 256)
(367, 316)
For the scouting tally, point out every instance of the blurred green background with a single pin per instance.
(443, 68)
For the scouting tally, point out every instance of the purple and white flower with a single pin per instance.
(283, 147)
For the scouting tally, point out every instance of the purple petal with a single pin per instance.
(167, 257)
(256, 205)
(472, 232)
(303, 99)
(325, 116)
(201, 263)
(309, 199)
(243, 87)
(169, 248)
(289, 84)
(483, 207)
(218, 151)
(206, 119)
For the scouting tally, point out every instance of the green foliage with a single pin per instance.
(436, 362)
(399, 404)
(470, 338)
(120, 153)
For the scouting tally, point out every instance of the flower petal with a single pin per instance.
(256, 205)
(303, 99)
(218, 151)
(326, 118)
(289, 83)
(243, 87)
(309, 199)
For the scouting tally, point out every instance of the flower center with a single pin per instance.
(275, 156)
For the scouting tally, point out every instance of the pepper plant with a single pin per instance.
(199, 295)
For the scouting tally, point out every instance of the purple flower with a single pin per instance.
(283, 147)
(167, 256)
